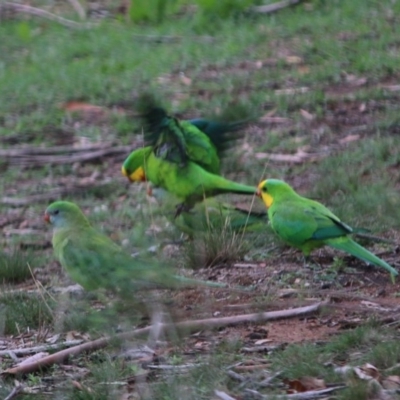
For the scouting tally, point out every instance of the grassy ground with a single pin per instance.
(324, 78)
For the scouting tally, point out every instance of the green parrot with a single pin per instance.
(181, 158)
(95, 261)
(211, 214)
(307, 224)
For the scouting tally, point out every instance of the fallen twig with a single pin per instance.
(183, 327)
(267, 381)
(51, 194)
(183, 367)
(263, 349)
(271, 8)
(298, 158)
(22, 351)
(311, 394)
(38, 12)
(169, 39)
(222, 395)
(78, 8)
(41, 159)
(32, 151)
(235, 376)
(15, 392)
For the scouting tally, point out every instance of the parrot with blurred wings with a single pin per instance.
(183, 157)
(308, 225)
(95, 261)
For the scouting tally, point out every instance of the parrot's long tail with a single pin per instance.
(350, 246)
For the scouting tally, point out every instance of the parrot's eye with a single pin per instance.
(264, 189)
(55, 212)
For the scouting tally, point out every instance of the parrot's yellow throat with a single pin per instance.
(266, 197)
(136, 176)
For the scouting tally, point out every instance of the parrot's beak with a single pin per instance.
(46, 217)
(258, 193)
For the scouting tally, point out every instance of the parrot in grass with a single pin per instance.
(95, 261)
(183, 157)
(212, 214)
(308, 225)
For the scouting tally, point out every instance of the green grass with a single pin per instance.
(17, 266)
(44, 65)
(22, 311)
(367, 344)
(216, 246)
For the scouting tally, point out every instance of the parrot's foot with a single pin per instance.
(180, 208)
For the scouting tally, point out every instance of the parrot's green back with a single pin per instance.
(94, 261)
(307, 224)
(191, 183)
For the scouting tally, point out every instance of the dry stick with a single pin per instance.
(50, 195)
(222, 395)
(271, 8)
(168, 39)
(67, 158)
(185, 326)
(311, 394)
(78, 8)
(267, 381)
(25, 151)
(235, 376)
(22, 8)
(22, 351)
(15, 392)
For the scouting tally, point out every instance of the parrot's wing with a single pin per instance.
(299, 222)
(91, 261)
(162, 131)
(97, 262)
(327, 224)
(200, 148)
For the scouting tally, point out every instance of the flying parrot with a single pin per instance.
(307, 224)
(183, 157)
(95, 261)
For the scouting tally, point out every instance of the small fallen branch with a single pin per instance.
(35, 160)
(298, 158)
(271, 8)
(267, 381)
(15, 392)
(235, 376)
(54, 194)
(33, 151)
(184, 327)
(22, 351)
(222, 395)
(78, 8)
(174, 368)
(311, 394)
(173, 39)
(38, 12)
